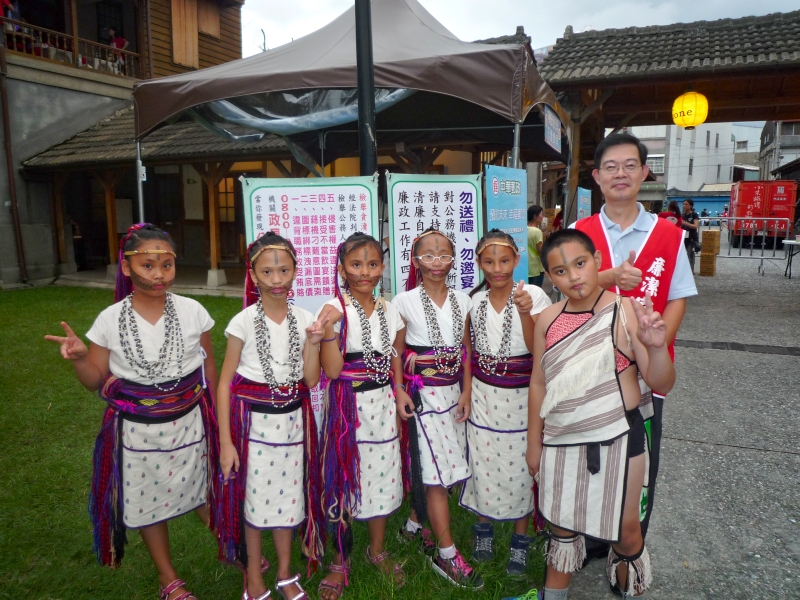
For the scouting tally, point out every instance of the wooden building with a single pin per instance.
(63, 76)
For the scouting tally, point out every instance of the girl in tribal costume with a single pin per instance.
(436, 400)
(361, 464)
(268, 434)
(151, 360)
(595, 354)
(502, 318)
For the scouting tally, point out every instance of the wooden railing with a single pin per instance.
(100, 57)
(27, 39)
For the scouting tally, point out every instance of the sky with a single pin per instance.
(469, 20)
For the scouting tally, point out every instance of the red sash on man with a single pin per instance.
(656, 259)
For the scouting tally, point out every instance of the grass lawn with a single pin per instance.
(48, 423)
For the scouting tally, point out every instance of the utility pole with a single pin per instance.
(368, 146)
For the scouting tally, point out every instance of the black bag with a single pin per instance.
(696, 245)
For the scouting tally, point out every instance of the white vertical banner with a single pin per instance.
(450, 203)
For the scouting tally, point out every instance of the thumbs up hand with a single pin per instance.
(626, 276)
(522, 299)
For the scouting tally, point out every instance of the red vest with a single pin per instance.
(656, 259)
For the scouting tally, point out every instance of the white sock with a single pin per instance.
(412, 527)
(551, 594)
(448, 553)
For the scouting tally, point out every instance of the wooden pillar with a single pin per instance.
(59, 180)
(73, 15)
(212, 174)
(109, 179)
(140, 25)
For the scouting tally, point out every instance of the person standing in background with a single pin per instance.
(690, 226)
(535, 239)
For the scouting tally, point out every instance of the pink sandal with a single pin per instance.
(282, 583)
(397, 573)
(164, 592)
(246, 596)
(336, 588)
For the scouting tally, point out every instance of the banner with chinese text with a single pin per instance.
(507, 209)
(316, 215)
(450, 203)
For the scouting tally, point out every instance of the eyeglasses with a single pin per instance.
(428, 259)
(612, 168)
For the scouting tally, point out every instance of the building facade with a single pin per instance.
(63, 75)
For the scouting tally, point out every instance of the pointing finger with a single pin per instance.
(67, 328)
(648, 302)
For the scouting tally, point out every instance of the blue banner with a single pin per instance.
(584, 203)
(507, 207)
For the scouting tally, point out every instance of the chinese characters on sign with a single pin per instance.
(448, 203)
(506, 209)
(552, 129)
(316, 216)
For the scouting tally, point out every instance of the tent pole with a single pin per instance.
(139, 178)
(366, 89)
(515, 149)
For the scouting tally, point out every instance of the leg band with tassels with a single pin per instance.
(566, 554)
(640, 573)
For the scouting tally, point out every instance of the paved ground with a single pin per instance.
(727, 517)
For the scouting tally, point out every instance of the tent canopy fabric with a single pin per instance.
(411, 50)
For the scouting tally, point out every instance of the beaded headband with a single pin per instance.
(271, 247)
(491, 243)
(133, 252)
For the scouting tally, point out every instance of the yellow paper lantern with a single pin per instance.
(690, 110)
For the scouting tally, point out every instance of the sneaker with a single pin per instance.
(405, 537)
(423, 539)
(457, 571)
(518, 562)
(529, 595)
(483, 550)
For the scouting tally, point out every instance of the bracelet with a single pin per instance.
(333, 339)
(402, 385)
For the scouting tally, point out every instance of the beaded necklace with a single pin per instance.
(173, 343)
(382, 364)
(442, 352)
(487, 360)
(263, 344)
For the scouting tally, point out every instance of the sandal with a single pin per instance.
(246, 596)
(282, 583)
(336, 588)
(397, 573)
(164, 592)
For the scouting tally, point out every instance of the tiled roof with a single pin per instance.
(702, 47)
(111, 142)
(520, 37)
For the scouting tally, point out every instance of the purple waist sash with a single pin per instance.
(246, 397)
(514, 372)
(145, 402)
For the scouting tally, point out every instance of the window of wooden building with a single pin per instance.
(227, 204)
(184, 33)
(208, 17)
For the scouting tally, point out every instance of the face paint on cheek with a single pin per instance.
(147, 285)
